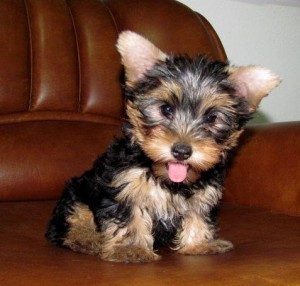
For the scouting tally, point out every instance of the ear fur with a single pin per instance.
(253, 83)
(138, 55)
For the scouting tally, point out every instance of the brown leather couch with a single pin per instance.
(60, 105)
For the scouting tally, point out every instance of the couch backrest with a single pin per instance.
(60, 97)
(60, 56)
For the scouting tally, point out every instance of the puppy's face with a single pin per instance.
(187, 113)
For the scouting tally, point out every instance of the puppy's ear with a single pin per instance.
(253, 83)
(138, 55)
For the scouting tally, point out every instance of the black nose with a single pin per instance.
(181, 151)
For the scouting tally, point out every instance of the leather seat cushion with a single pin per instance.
(266, 252)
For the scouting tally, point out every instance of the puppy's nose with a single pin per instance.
(181, 151)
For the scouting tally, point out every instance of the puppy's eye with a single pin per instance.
(211, 117)
(167, 111)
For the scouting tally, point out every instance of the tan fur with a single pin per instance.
(158, 144)
(145, 193)
(216, 100)
(133, 242)
(232, 141)
(149, 196)
(131, 253)
(135, 119)
(207, 247)
(206, 153)
(82, 235)
(195, 231)
(197, 237)
(166, 88)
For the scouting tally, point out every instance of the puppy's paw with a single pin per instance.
(209, 247)
(131, 254)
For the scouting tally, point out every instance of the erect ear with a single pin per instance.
(253, 83)
(138, 55)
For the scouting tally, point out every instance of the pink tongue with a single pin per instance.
(177, 172)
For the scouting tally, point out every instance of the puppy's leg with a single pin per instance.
(82, 235)
(130, 243)
(197, 237)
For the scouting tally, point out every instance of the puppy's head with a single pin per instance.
(187, 113)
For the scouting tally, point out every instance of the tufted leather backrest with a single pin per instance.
(60, 56)
(60, 74)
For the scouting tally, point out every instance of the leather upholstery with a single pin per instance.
(265, 169)
(60, 106)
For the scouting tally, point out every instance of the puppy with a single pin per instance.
(159, 183)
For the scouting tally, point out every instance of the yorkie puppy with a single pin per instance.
(159, 183)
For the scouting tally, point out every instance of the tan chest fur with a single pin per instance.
(147, 194)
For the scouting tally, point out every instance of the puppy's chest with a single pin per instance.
(143, 192)
(161, 204)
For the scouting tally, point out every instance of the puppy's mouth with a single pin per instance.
(177, 171)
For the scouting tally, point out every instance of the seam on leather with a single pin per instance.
(212, 40)
(78, 58)
(31, 53)
(105, 4)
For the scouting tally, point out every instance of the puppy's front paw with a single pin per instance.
(131, 254)
(209, 247)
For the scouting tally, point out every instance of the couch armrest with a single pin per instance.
(265, 169)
